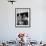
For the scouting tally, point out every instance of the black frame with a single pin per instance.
(28, 15)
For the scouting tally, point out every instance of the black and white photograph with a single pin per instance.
(22, 17)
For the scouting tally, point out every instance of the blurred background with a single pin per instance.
(37, 31)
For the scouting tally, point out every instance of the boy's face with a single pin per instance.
(19, 17)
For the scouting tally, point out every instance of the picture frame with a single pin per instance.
(22, 17)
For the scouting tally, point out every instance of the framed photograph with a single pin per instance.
(22, 17)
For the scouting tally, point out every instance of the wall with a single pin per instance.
(8, 31)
